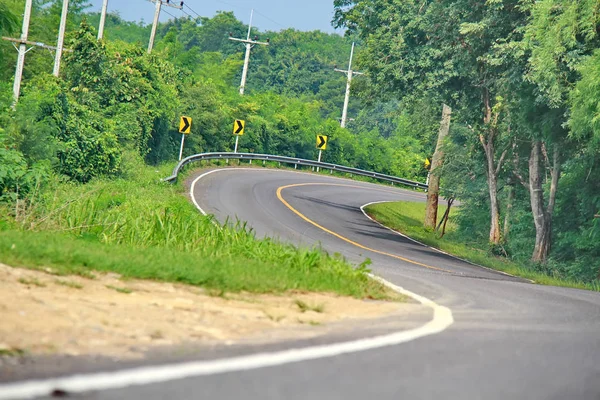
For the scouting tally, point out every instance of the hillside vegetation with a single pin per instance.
(139, 227)
(521, 77)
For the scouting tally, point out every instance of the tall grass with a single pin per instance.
(141, 227)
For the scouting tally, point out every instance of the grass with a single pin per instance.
(71, 284)
(119, 289)
(32, 282)
(140, 227)
(304, 307)
(407, 218)
(310, 322)
(12, 353)
(274, 318)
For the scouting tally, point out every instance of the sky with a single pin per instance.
(274, 15)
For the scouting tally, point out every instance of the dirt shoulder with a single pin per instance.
(48, 314)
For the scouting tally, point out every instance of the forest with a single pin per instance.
(522, 78)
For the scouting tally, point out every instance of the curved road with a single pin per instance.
(510, 339)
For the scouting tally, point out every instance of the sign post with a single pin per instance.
(427, 165)
(185, 127)
(321, 145)
(238, 130)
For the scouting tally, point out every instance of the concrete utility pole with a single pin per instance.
(102, 19)
(249, 44)
(61, 37)
(159, 4)
(349, 73)
(22, 50)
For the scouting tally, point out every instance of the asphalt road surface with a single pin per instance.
(509, 339)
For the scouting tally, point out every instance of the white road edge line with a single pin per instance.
(362, 208)
(442, 319)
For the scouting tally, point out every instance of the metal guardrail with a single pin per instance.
(294, 161)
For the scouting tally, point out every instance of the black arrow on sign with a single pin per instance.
(186, 124)
(239, 126)
(321, 141)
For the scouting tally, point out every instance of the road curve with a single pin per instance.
(510, 339)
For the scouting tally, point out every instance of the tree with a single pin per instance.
(8, 20)
(560, 36)
(436, 166)
(447, 48)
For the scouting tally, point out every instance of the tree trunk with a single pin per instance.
(508, 213)
(492, 180)
(437, 160)
(542, 217)
(445, 218)
(495, 237)
(493, 169)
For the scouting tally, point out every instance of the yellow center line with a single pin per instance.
(345, 239)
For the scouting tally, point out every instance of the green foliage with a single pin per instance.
(560, 35)
(111, 90)
(536, 63)
(407, 218)
(117, 29)
(12, 169)
(141, 227)
(17, 178)
(8, 20)
(526, 71)
(585, 100)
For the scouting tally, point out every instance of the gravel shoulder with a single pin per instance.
(45, 314)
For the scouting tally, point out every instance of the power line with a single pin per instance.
(168, 13)
(272, 20)
(230, 5)
(257, 12)
(190, 8)
(165, 11)
(183, 11)
(159, 4)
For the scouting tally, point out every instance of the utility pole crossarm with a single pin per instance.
(248, 41)
(36, 44)
(347, 72)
